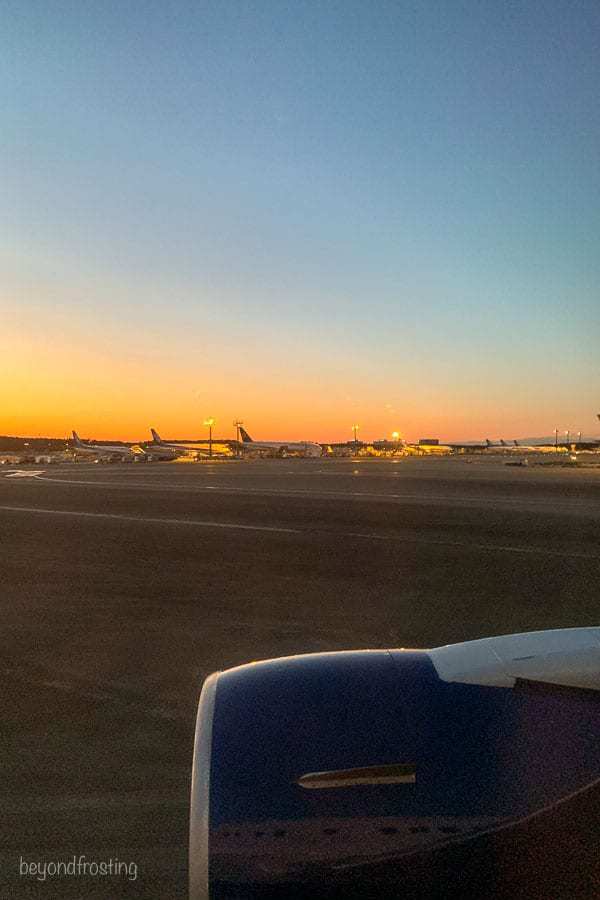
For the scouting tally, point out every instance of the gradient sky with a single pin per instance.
(301, 214)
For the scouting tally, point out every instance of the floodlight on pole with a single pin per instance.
(355, 430)
(209, 423)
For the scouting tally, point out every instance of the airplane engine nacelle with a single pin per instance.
(385, 773)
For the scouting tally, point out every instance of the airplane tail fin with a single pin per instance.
(155, 436)
(488, 442)
(516, 443)
(77, 439)
(246, 439)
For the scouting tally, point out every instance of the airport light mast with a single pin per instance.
(355, 430)
(209, 422)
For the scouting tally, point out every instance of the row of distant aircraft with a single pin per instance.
(195, 449)
(247, 445)
(488, 445)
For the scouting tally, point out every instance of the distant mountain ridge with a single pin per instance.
(549, 439)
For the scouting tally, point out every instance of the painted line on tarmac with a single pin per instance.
(507, 503)
(336, 535)
(489, 548)
(155, 520)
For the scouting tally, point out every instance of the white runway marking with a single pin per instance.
(24, 473)
(335, 535)
(489, 548)
(530, 504)
(156, 520)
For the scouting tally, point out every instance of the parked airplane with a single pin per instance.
(529, 447)
(466, 445)
(306, 448)
(513, 445)
(499, 445)
(107, 450)
(183, 449)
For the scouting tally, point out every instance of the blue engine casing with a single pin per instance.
(364, 774)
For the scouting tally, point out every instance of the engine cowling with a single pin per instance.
(366, 773)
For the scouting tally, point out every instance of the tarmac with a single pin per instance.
(123, 586)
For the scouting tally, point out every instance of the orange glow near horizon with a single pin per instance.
(56, 406)
(124, 402)
(113, 387)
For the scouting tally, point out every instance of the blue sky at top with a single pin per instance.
(359, 188)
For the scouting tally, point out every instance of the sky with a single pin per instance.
(302, 215)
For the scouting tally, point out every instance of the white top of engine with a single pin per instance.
(564, 656)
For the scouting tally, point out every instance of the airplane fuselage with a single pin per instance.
(179, 449)
(308, 448)
(105, 450)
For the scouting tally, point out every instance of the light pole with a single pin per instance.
(567, 435)
(355, 430)
(556, 440)
(209, 422)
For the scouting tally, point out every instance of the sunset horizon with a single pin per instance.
(300, 219)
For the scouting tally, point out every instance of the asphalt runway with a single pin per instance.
(123, 586)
